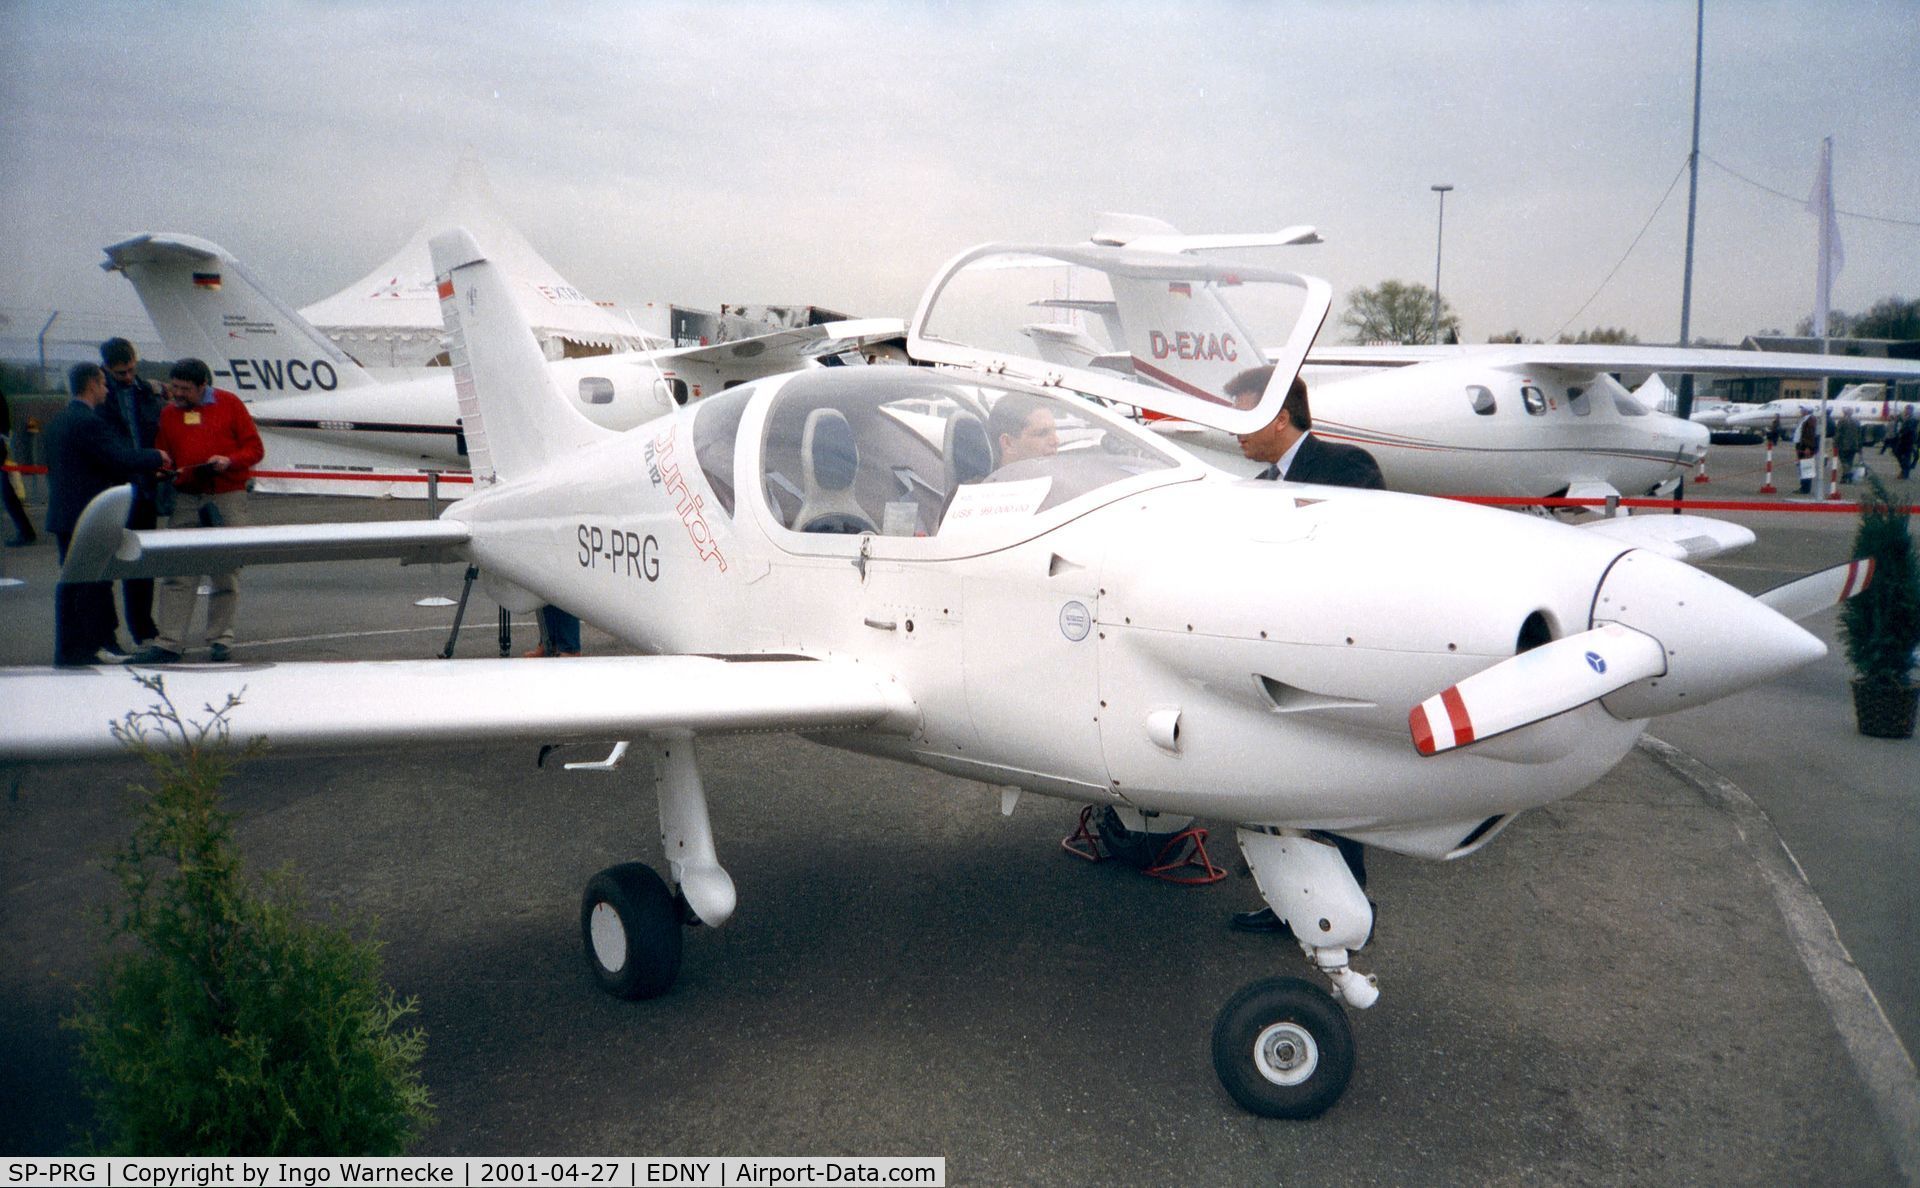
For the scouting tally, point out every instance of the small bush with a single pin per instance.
(234, 1025)
(1881, 624)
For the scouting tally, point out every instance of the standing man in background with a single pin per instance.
(1294, 454)
(132, 407)
(214, 445)
(85, 457)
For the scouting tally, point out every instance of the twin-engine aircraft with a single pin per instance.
(321, 413)
(853, 553)
(1527, 420)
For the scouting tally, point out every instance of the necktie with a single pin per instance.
(1271, 473)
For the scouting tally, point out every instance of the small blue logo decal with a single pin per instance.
(1595, 662)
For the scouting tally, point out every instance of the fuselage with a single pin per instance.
(1114, 623)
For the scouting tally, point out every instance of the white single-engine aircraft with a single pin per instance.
(322, 413)
(1527, 420)
(842, 551)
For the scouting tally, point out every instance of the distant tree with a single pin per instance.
(1396, 312)
(1509, 336)
(1839, 325)
(1604, 336)
(1890, 317)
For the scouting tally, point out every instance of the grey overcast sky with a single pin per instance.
(838, 153)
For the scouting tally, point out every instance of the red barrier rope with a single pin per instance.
(1831, 506)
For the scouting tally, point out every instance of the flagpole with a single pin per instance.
(1683, 402)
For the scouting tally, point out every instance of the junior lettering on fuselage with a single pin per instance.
(271, 375)
(619, 551)
(665, 472)
(1188, 345)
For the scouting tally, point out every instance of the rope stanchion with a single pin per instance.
(1700, 475)
(1767, 487)
(433, 513)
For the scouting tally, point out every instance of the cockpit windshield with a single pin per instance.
(910, 452)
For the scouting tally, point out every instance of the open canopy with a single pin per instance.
(1179, 330)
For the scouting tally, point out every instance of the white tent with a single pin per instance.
(391, 316)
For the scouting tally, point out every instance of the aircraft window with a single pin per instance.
(1535, 400)
(913, 453)
(595, 389)
(1482, 399)
(715, 426)
(1578, 402)
(1628, 406)
(673, 388)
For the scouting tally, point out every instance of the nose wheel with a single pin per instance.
(630, 929)
(1282, 1048)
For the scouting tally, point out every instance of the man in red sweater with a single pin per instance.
(210, 436)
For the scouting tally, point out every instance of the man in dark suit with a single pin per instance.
(85, 456)
(1288, 445)
(1293, 453)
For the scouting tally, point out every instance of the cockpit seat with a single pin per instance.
(829, 463)
(967, 450)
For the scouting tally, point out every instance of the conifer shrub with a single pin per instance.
(1881, 624)
(227, 1021)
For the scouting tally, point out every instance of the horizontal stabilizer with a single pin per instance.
(1818, 591)
(1683, 538)
(65, 713)
(1535, 685)
(104, 549)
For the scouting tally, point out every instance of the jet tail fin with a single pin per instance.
(515, 418)
(207, 305)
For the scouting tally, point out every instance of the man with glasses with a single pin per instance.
(132, 407)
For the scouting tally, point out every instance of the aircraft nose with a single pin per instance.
(1718, 640)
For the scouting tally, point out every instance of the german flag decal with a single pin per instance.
(206, 280)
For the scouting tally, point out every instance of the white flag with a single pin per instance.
(1832, 257)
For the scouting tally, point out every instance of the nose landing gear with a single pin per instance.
(1282, 1047)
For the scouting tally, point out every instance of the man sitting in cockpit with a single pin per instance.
(1022, 427)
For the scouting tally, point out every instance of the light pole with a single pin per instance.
(1439, 237)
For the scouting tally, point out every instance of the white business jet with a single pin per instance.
(844, 552)
(1868, 404)
(1526, 420)
(321, 413)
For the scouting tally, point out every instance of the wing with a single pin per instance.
(785, 350)
(68, 713)
(1600, 357)
(105, 549)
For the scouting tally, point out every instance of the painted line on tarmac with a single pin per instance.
(294, 639)
(1879, 1057)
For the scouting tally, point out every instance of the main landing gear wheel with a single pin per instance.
(1282, 1048)
(630, 929)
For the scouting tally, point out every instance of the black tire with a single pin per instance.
(1282, 1049)
(630, 931)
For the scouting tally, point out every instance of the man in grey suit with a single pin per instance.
(1288, 445)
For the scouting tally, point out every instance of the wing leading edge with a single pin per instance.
(301, 708)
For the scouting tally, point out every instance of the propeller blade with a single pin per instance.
(1536, 684)
(1818, 591)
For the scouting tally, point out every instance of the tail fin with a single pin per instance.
(207, 305)
(515, 419)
